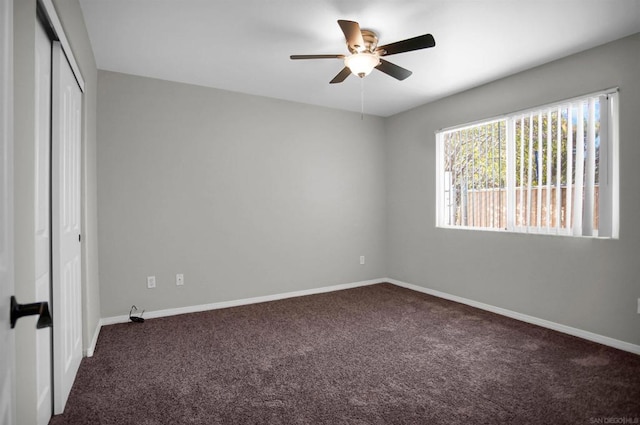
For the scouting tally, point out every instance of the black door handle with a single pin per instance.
(20, 310)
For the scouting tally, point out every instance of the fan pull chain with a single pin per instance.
(361, 99)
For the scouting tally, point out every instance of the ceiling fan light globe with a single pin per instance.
(361, 64)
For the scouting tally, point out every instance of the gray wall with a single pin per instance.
(24, 174)
(246, 196)
(584, 283)
(250, 196)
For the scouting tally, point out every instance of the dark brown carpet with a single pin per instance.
(372, 355)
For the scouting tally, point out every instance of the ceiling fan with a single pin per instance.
(367, 55)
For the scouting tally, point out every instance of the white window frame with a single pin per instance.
(609, 197)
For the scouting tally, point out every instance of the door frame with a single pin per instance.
(42, 214)
(51, 16)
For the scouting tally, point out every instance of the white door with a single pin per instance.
(7, 345)
(65, 200)
(42, 217)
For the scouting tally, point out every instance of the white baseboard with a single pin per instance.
(236, 303)
(601, 339)
(92, 345)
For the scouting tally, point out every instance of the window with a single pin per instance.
(551, 170)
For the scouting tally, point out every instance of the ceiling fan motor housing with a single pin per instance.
(370, 43)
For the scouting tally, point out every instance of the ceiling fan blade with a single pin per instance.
(317, 57)
(352, 34)
(416, 43)
(397, 72)
(342, 75)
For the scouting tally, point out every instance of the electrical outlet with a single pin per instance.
(151, 282)
(362, 259)
(180, 279)
(638, 305)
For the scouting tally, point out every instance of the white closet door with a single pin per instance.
(7, 339)
(65, 199)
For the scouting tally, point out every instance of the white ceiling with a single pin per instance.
(244, 45)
